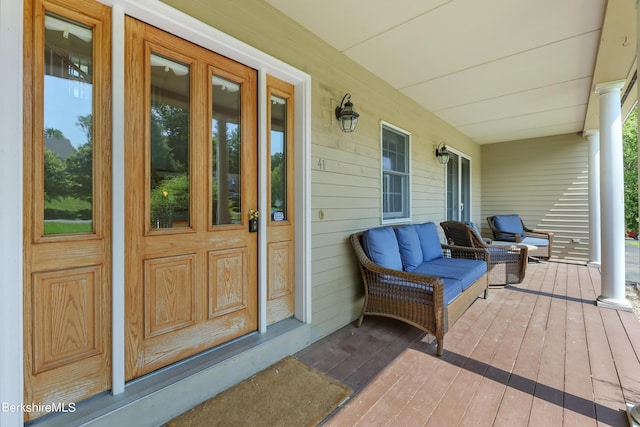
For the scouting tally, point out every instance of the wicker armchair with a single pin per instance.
(506, 265)
(413, 298)
(519, 233)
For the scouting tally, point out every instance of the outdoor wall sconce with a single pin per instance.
(347, 117)
(442, 154)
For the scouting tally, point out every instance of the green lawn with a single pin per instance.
(62, 214)
(67, 227)
(632, 242)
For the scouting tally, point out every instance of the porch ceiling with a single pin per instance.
(496, 70)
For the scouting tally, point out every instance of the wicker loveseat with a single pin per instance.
(408, 275)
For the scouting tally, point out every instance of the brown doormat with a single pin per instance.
(287, 393)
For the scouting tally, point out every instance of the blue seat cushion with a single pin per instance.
(429, 241)
(510, 223)
(381, 246)
(452, 289)
(535, 241)
(410, 250)
(467, 271)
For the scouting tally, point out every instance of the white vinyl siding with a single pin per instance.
(545, 181)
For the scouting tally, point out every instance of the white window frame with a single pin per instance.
(406, 192)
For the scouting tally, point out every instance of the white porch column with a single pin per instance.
(612, 198)
(593, 137)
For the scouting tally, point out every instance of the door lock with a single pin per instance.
(253, 220)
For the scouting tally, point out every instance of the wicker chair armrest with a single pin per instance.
(452, 251)
(516, 236)
(538, 233)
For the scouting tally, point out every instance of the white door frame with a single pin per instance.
(11, 223)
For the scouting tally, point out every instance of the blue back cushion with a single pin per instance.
(410, 250)
(510, 223)
(429, 241)
(381, 247)
(474, 226)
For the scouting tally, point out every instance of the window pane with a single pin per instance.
(395, 166)
(225, 140)
(278, 158)
(394, 151)
(169, 143)
(395, 203)
(68, 130)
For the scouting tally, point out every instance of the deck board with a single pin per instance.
(547, 405)
(579, 409)
(482, 409)
(518, 398)
(537, 353)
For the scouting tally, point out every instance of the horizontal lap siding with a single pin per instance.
(545, 180)
(345, 167)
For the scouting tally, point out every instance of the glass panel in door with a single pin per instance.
(278, 162)
(68, 131)
(226, 149)
(465, 189)
(169, 177)
(458, 188)
(453, 189)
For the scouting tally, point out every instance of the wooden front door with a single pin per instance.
(191, 179)
(67, 203)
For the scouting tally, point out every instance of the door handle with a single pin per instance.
(253, 220)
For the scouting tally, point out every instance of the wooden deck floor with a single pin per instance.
(535, 354)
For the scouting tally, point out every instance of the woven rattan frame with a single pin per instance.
(414, 298)
(506, 265)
